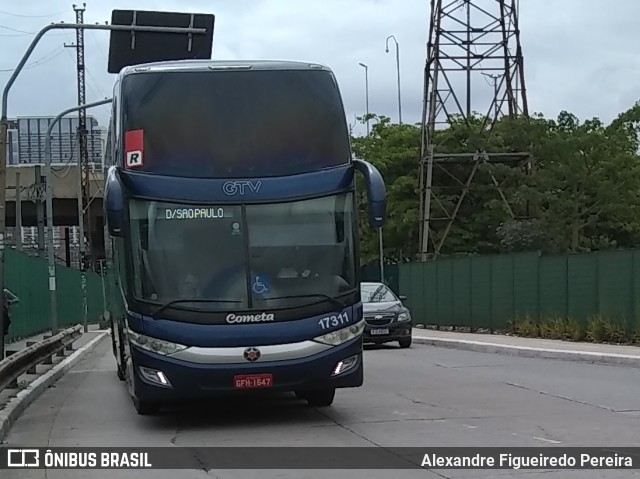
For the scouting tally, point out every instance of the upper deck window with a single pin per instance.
(231, 124)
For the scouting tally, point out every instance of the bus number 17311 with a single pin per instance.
(334, 320)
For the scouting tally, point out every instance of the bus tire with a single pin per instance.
(322, 398)
(145, 408)
(120, 369)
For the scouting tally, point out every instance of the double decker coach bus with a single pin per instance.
(231, 208)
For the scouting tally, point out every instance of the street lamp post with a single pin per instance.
(4, 123)
(380, 242)
(398, 72)
(53, 295)
(366, 91)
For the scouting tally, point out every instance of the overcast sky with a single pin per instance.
(580, 55)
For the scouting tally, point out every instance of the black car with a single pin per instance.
(386, 318)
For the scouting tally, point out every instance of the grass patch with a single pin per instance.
(598, 329)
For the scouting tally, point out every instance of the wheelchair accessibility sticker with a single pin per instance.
(260, 284)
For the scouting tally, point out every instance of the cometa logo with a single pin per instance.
(249, 318)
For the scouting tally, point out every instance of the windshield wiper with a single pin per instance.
(376, 293)
(178, 301)
(335, 301)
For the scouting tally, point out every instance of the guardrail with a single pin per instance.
(42, 352)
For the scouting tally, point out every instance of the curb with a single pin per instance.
(24, 398)
(609, 359)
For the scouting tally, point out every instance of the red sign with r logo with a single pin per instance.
(133, 149)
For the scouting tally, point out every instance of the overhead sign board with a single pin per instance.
(127, 48)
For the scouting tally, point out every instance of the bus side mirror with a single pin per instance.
(114, 203)
(376, 192)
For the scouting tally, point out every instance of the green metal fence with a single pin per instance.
(478, 292)
(488, 291)
(27, 277)
(371, 272)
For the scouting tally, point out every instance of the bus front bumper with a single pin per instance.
(157, 377)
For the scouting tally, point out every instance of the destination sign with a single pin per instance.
(199, 213)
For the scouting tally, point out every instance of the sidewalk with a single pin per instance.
(14, 401)
(531, 347)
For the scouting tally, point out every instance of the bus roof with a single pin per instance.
(212, 65)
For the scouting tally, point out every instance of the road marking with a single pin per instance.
(551, 441)
(514, 347)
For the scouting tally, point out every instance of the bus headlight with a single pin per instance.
(158, 346)
(341, 336)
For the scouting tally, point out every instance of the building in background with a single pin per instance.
(103, 131)
(65, 243)
(12, 143)
(26, 146)
(27, 135)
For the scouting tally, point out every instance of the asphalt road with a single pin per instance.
(423, 396)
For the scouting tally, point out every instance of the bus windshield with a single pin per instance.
(253, 257)
(241, 123)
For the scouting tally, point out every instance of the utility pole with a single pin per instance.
(84, 170)
(4, 126)
(3, 222)
(53, 295)
(18, 230)
(39, 201)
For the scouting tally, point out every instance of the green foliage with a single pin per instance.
(554, 327)
(599, 329)
(394, 150)
(518, 236)
(525, 326)
(583, 195)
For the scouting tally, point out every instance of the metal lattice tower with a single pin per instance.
(85, 167)
(474, 64)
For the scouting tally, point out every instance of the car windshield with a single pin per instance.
(376, 293)
(260, 257)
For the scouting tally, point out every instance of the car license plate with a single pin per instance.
(380, 331)
(253, 381)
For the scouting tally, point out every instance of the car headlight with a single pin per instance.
(341, 336)
(154, 345)
(404, 316)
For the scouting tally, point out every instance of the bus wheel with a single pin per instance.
(322, 398)
(144, 408)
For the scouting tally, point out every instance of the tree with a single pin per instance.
(587, 183)
(395, 151)
(583, 194)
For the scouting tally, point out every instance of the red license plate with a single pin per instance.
(253, 381)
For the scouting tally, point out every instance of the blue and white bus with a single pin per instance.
(232, 215)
